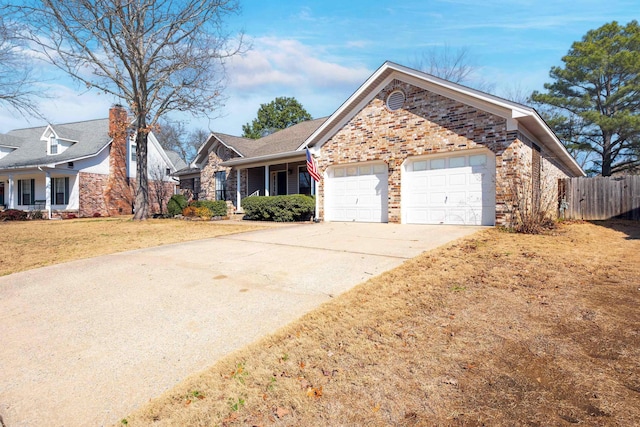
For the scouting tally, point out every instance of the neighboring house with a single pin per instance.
(83, 168)
(406, 147)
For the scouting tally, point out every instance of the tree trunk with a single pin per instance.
(141, 203)
(606, 155)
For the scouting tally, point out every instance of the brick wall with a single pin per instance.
(92, 194)
(118, 193)
(429, 123)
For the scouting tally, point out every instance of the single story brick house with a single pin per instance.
(82, 168)
(406, 147)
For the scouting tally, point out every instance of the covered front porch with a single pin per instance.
(43, 189)
(268, 179)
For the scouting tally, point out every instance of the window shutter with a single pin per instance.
(53, 191)
(66, 190)
(33, 192)
(20, 192)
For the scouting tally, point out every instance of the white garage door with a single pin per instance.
(457, 189)
(357, 192)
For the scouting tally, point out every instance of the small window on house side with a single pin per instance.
(133, 152)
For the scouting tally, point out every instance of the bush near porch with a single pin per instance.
(294, 207)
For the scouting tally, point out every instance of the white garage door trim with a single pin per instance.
(357, 192)
(456, 188)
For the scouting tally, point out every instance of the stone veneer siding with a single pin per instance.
(427, 124)
(207, 176)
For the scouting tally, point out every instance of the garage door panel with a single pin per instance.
(459, 179)
(357, 193)
(436, 181)
(456, 216)
(459, 189)
(436, 216)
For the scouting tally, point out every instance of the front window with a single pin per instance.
(221, 185)
(26, 189)
(304, 181)
(60, 191)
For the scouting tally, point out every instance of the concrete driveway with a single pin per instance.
(85, 343)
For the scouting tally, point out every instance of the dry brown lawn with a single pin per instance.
(32, 244)
(498, 329)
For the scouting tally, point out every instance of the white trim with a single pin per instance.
(511, 111)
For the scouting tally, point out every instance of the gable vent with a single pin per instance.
(395, 101)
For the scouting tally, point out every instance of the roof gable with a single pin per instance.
(515, 114)
(90, 138)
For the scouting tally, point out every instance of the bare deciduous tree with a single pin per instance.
(172, 135)
(156, 55)
(160, 186)
(454, 65)
(16, 80)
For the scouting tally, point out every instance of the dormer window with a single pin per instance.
(53, 145)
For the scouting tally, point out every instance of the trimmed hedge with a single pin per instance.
(215, 207)
(176, 204)
(294, 207)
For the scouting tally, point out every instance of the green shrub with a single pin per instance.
(295, 207)
(176, 204)
(216, 207)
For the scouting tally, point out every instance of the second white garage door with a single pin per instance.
(357, 192)
(454, 189)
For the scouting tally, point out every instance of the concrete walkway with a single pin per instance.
(85, 343)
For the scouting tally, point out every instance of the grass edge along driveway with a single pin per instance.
(33, 244)
(498, 328)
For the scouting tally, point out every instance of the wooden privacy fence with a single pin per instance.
(600, 198)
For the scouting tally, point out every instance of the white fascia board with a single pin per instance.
(200, 150)
(47, 132)
(270, 159)
(343, 108)
(468, 96)
(159, 148)
(559, 145)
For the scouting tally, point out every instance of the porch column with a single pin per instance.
(266, 180)
(238, 195)
(47, 192)
(313, 193)
(11, 200)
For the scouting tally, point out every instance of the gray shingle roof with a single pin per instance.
(244, 146)
(178, 162)
(288, 139)
(92, 137)
(283, 141)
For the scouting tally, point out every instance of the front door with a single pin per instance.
(279, 183)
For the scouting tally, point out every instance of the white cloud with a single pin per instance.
(288, 63)
(284, 67)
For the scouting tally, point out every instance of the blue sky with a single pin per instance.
(320, 52)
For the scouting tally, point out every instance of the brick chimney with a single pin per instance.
(118, 193)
